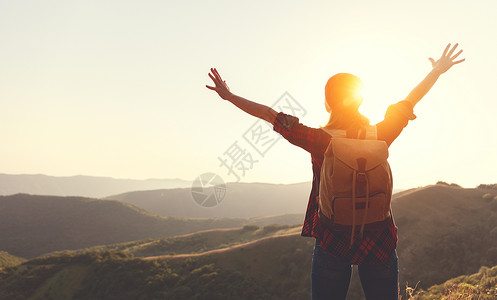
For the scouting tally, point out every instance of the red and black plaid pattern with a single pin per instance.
(374, 246)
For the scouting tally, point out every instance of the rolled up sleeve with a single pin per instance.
(295, 132)
(396, 118)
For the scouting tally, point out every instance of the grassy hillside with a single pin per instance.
(258, 271)
(445, 231)
(242, 200)
(8, 260)
(482, 285)
(33, 225)
(200, 241)
(270, 268)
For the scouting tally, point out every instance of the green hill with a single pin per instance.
(8, 260)
(199, 242)
(269, 268)
(445, 231)
(482, 286)
(265, 269)
(34, 225)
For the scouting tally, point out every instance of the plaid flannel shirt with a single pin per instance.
(375, 246)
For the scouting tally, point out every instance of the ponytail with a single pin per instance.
(349, 120)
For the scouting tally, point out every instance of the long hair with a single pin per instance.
(342, 92)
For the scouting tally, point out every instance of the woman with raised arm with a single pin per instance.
(334, 251)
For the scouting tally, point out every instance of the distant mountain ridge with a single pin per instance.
(167, 197)
(242, 200)
(84, 186)
(444, 232)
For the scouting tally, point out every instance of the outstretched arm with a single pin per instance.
(255, 109)
(439, 67)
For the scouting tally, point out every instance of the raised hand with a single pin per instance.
(445, 62)
(221, 87)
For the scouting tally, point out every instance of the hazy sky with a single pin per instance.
(117, 88)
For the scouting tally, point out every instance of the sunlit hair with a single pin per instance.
(343, 98)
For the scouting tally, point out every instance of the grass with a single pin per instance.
(200, 241)
(481, 286)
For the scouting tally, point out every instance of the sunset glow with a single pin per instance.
(114, 89)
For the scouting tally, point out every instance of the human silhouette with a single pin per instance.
(374, 251)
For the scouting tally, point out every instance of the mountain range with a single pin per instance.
(241, 200)
(444, 231)
(33, 225)
(85, 186)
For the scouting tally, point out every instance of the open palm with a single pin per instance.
(221, 87)
(445, 62)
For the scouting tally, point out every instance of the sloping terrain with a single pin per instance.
(200, 242)
(273, 268)
(8, 260)
(34, 225)
(481, 285)
(85, 186)
(445, 231)
(242, 200)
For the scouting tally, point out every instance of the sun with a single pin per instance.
(372, 106)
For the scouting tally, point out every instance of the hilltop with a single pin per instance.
(241, 273)
(242, 200)
(244, 272)
(34, 225)
(8, 260)
(85, 186)
(200, 242)
(481, 285)
(444, 232)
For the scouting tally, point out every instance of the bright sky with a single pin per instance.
(117, 88)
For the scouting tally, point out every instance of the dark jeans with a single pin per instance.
(330, 277)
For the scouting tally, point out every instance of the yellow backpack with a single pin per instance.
(356, 182)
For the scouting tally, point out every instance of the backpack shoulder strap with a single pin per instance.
(335, 132)
(370, 134)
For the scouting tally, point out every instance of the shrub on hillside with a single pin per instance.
(487, 196)
(447, 184)
(275, 227)
(7, 260)
(477, 286)
(488, 186)
(250, 227)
